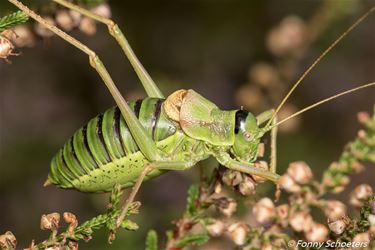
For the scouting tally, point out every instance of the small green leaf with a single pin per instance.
(12, 20)
(152, 240)
(192, 239)
(115, 197)
(193, 195)
(129, 225)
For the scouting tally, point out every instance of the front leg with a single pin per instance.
(247, 168)
(261, 118)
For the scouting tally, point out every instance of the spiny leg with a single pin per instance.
(155, 165)
(149, 85)
(143, 140)
(132, 194)
(247, 168)
(273, 156)
(261, 118)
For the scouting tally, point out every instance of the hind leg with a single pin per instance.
(146, 80)
(143, 140)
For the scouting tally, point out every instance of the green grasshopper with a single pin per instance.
(137, 141)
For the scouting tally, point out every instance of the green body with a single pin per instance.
(103, 152)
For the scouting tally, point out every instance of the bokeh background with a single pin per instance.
(233, 52)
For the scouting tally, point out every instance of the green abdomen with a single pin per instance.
(84, 161)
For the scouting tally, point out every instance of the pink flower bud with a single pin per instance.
(64, 20)
(301, 222)
(238, 232)
(6, 47)
(362, 239)
(264, 211)
(335, 209)
(261, 165)
(360, 194)
(288, 184)
(338, 225)
(247, 186)
(50, 221)
(8, 241)
(317, 233)
(216, 228)
(300, 172)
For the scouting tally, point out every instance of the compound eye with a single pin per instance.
(247, 136)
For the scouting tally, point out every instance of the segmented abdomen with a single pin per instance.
(106, 138)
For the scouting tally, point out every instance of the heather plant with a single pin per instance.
(289, 219)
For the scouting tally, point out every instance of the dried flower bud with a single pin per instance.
(232, 178)
(102, 10)
(338, 189)
(345, 180)
(338, 225)
(261, 165)
(226, 206)
(363, 117)
(264, 211)
(288, 184)
(360, 194)
(71, 220)
(247, 186)
(288, 37)
(362, 238)
(362, 134)
(317, 233)
(282, 211)
(42, 31)
(8, 241)
(264, 74)
(300, 172)
(23, 36)
(261, 149)
(218, 188)
(50, 221)
(216, 228)
(76, 17)
(6, 47)
(335, 209)
(73, 245)
(238, 232)
(301, 222)
(267, 246)
(357, 167)
(64, 20)
(87, 26)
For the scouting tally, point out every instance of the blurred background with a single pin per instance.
(236, 53)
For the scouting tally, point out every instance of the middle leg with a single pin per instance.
(155, 165)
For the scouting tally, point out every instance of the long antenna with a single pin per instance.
(320, 103)
(353, 26)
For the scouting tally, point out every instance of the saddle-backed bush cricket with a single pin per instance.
(140, 140)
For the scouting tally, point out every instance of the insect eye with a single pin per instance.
(247, 136)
